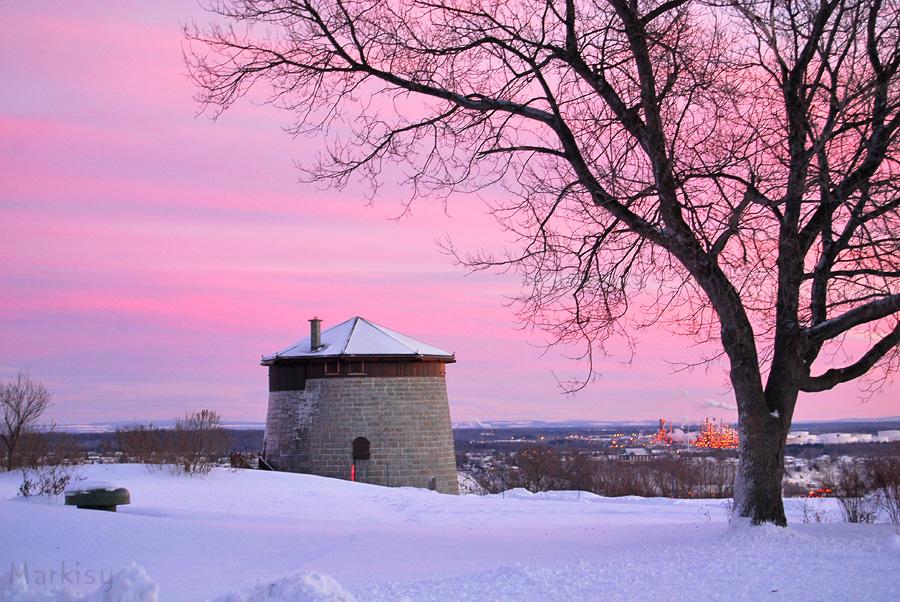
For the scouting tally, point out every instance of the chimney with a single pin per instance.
(315, 334)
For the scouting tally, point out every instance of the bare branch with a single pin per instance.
(835, 376)
(863, 314)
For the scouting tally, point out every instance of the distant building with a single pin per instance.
(362, 402)
(805, 438)
(800, 438)
(836, 438)
(888, 436)
(636, 454)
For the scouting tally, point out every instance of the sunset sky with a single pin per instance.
(149, 256)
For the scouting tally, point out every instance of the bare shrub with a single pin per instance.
(536, 469)
(853, 488)
(666, 477)
(48, 447)
(580, 471)
(33, 450)
(614, 478)
(812, 514)
(22, 402)
(885, 475)
(144, 444)
(197, 443)
(492, 478)
(239, 460)
(672, 478)
(543, 469)
(714, 479)
(48, 479)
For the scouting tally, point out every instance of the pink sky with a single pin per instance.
(148, 257)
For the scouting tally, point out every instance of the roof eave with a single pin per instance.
(273, 359)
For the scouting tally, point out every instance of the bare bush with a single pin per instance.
(48, 479)
(542, 469)
(666, 477)
(47, 447)
(22, 402)
(812, 514)
(197, 443)
(492, 479)
(580, 472)
(885, 474)
(49, 462)
(144, 444)
(536, 469)
(614, 478)
(853, 488)
(33, 450)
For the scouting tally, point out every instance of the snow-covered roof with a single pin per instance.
(357, 336)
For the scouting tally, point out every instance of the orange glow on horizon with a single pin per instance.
(716, 435)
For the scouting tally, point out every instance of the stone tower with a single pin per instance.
(362, 402)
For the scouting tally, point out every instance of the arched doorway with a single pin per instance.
(361, 453)
(361, 449)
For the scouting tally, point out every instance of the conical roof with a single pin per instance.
(360, 337)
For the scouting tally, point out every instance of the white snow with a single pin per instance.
(82, 486)
(358, 336)
(255, 536)
(311, 586)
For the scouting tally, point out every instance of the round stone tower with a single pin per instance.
(361, 402)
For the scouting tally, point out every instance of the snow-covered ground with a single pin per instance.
(249, 535)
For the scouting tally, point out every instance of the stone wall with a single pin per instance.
(405, 419)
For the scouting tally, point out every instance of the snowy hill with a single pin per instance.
(251, 535)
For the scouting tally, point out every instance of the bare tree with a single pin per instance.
(198, 442)
(734, 161)
(22, 402)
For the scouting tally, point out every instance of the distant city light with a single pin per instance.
(716, 435)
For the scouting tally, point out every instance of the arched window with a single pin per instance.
(361, 449)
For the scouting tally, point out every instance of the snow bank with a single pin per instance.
(83, 486)
(311, 587)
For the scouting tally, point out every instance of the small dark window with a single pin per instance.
(356, 368)
(332, 367)
(361, 449)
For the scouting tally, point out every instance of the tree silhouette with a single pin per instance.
(22, 402)
(734, 160)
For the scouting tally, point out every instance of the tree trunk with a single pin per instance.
(757, 488)
(11, 441)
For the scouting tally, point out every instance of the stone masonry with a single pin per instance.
(406, 420)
